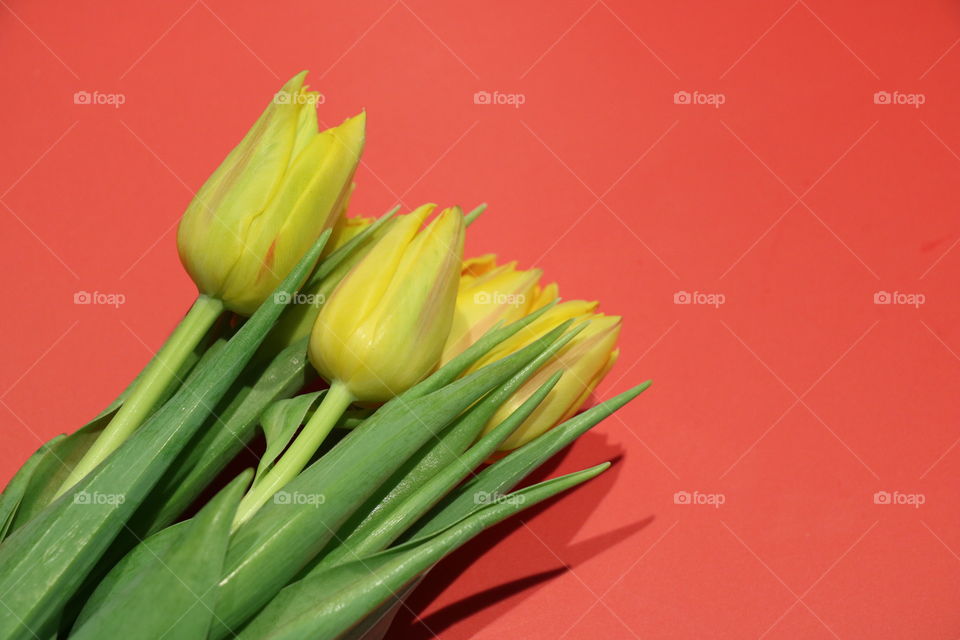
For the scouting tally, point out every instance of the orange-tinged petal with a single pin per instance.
(269, 200)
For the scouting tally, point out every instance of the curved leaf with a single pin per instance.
(328, 604)
(43, 563)
(273, 546)
(174, 599)
(506, 473)
(280, 422)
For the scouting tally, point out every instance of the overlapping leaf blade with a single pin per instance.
(280, 422)
(45, 561)
(383, 528)
(278, 542)
(506, 473)
(222, 437)
(40, 478)
(175, 598)
(439, 452)
(329, 603)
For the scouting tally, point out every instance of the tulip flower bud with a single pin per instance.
(299, 317)
(585, 360)
(275, 193)
(489, 294)
(383, 328)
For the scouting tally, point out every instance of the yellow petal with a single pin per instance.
(383, 327)
(212, 232)
(584, 361)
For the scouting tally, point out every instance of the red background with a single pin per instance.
(797, 199)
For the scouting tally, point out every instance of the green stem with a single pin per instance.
(154, 380)
(291, 463)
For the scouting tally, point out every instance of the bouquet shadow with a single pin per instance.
(555, 547)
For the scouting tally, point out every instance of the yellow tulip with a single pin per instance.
(489, 294)
(274, 194)
(300, 315)
(346, 230)
(383, 328)
(379, 332)
(243, 232)
(585, 360)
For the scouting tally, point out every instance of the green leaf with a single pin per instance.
(280, 422)
(376, 624)
(12, 496)
(49, 467)
(440, 452)
(297, 319)
(146, 557)
(352, 418)
(174, 599)
(44, 562)
(348, 252)
(507, 472)
(224, 434)
(449, 372)
(471, 217)
(55, 459)
(226, 431)
(378, 532)
(284, 535)
(329, 603)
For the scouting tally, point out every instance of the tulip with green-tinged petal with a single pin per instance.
(584, 361)
(277, 191)
(380, 332)
(243, 232)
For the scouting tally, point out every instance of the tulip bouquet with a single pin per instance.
(403, 394)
